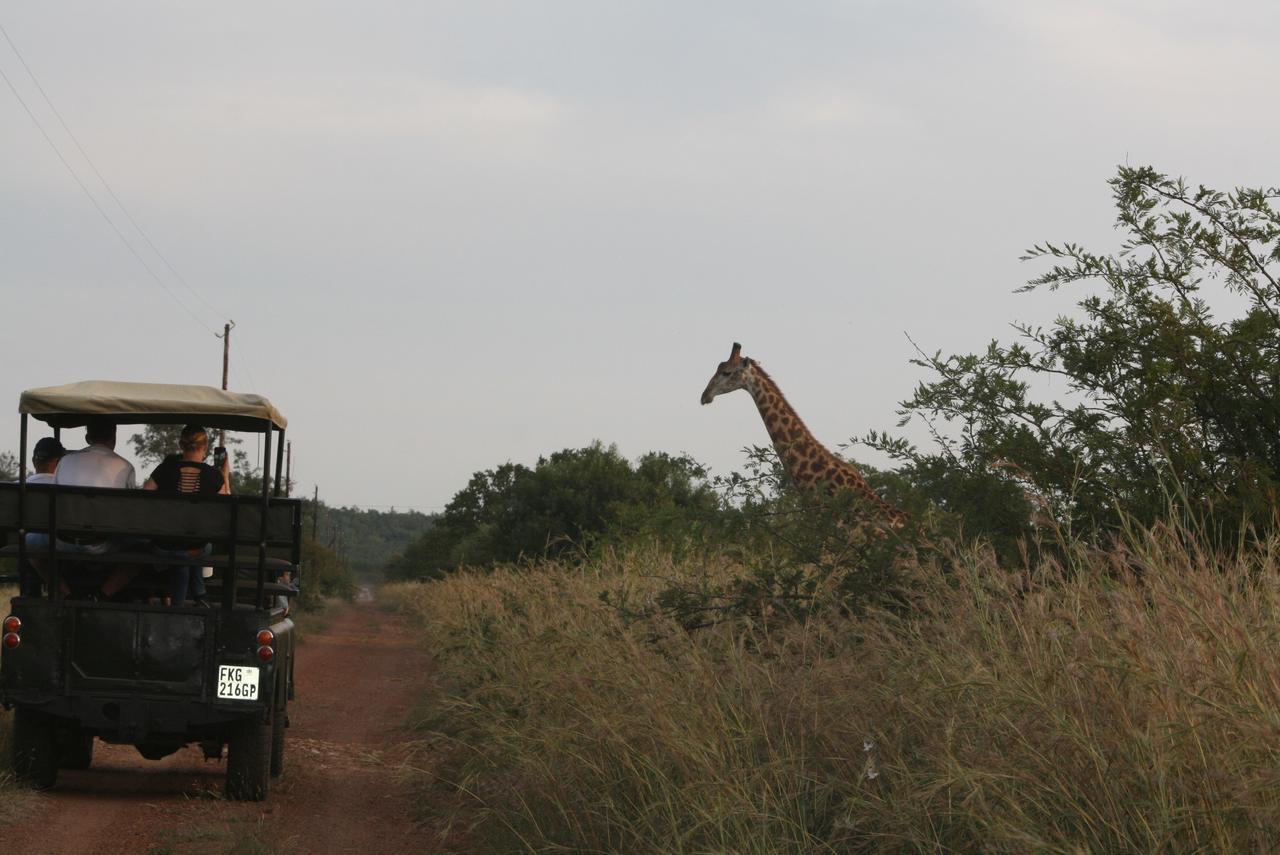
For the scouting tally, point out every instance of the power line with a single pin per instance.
(115, 198)
(253, 387)
(123, 239)
(112, 193)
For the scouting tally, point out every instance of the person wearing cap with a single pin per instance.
(44, 459)
(188, 473)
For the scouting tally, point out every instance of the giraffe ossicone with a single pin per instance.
(810, 465)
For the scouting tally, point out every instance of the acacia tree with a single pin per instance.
(1166, 402)
(8, 466)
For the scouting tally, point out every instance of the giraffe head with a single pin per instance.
(733, 373)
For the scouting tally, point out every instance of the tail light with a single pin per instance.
(11, 627)
(12, 624)
(266, 650)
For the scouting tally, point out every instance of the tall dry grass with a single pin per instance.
(1127, 703)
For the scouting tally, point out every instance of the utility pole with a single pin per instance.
(288, 468)
(226, 359)
(315, 513)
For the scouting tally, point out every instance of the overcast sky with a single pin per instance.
(453, 234)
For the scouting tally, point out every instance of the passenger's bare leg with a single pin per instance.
(117, 579)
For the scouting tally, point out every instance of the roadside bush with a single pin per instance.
(324, 575)
(796, 554)
(1149, 391)
(569, 502)
(1121, 701)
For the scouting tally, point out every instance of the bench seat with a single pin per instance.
(246, 567)
(136, 518)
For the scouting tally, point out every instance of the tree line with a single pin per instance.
(569, 501)
(1158, 396)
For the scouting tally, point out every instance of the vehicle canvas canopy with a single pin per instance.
(74, 404)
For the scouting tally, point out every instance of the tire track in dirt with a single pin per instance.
(357, 677)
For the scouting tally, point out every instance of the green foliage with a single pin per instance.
(324, 575)
(797, 554)
(9, 466)
(155, 443)
(962, 502)
(569, 501)
(367, 539)
(1161, 401)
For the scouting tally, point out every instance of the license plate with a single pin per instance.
(238, 682)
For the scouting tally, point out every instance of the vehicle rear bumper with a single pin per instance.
(136, 720)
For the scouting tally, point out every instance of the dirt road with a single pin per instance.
(358, 674)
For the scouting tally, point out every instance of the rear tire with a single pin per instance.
(35, 754)
(248, 760)
(279, 720)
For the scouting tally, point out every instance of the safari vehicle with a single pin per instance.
(157, 677)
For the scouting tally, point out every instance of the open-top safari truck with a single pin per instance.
(124, 671)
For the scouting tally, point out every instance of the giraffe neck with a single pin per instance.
(794, 442)
(808, 462)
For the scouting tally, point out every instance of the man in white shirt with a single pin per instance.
(44, 459)
(97, 465)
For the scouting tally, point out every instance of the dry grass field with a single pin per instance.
(1118, 700)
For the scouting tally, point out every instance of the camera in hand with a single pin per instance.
(219, 457)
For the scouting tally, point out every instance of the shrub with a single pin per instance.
(1160, 398)
(1123, 701)
(568, 502)
(324, 575)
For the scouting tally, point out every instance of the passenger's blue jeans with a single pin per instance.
(73, 573)
(184, 578)
(38, 543)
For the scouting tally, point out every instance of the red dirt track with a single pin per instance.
(357, 676)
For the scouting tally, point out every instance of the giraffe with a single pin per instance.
(811, 466)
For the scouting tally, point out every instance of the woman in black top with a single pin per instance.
(188, 473)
